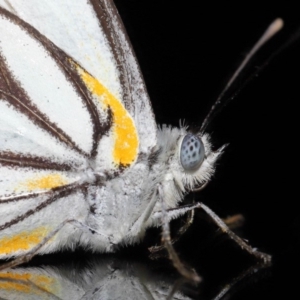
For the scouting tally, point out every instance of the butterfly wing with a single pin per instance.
(92, 33)
(71, 96)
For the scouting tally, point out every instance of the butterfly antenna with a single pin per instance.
(274, 27)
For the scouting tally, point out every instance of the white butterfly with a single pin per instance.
(82, 161)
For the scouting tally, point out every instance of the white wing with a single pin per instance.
(39, 129)
(92, 33)
(71, 97)
(47, 112)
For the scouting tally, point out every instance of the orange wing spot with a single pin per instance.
(125, 133)
(45, 182)
(22, 241)
(27, 282)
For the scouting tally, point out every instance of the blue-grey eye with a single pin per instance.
(192, 152)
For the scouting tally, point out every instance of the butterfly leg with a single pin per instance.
(266, 258)
(35, 250)
(188, 222)
(234, 221)
(167, 215)
(167, 241)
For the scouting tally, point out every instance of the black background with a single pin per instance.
(187, 50)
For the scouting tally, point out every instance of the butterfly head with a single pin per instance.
(186, 161)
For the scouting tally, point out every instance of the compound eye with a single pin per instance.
(192, 152)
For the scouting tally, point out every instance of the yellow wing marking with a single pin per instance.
(44, 182)
(126, 140)
(27, 282)
(23, 241)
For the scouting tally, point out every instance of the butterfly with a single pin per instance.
(82, 160)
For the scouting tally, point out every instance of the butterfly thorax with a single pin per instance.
(117, 205)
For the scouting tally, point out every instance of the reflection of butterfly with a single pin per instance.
(106, 278)
(82, 161)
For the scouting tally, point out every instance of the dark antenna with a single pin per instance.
(274, 27)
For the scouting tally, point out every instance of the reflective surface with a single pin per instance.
(111, 277)
(102, 278)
